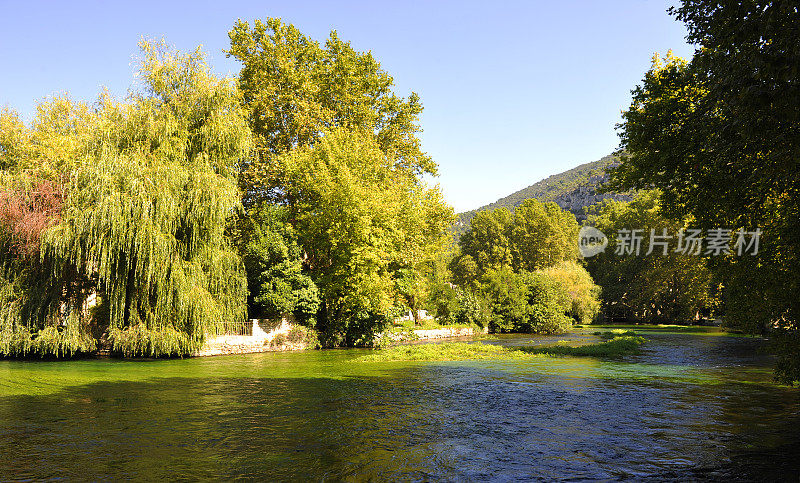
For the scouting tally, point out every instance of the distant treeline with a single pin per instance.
(547, 189)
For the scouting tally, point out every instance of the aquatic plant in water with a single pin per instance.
(452, 351)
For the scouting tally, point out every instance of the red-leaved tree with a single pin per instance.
(26, 213)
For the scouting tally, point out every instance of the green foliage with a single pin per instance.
(275, 277)
(526, 302)
(504, 257)
(339, 150)
(548, 304)
(18, 341)
(720, 136)
(452, 305)
(147, 186)
(297, 335)
(360, 221)
(537, 235)
(786, 343)
(507, 295)
(458, 351)
(674, 287)
(443, 302)
(140, 341)
(465, 271)
(472, 310)
(542, 235)
(296, 90)
(445, 351)
(487, 243)
(610, 334)
(583, 293)
(617, 346)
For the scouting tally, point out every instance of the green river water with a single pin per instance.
(689, 406)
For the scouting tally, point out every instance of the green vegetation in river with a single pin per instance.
(321, 414)
(616, 346)
(52, 377)
(672, 329)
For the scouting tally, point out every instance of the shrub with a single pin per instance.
(526, 302)
(443, 303)
(278, 340)
(303, 335)
(506, 294)
(548, 304)
(452, 305)
(275, 276)
(298, 334)
(583, 292)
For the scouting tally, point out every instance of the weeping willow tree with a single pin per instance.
(130, 246)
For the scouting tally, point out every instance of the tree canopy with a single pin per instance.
(338, 149)
(719, 136)
(652, 287)
(362, 224)
(144, 188)
(536, 235)
(522, 268)
(296, 90)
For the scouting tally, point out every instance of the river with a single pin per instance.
(689, 406)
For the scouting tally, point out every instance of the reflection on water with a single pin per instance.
(689, 406)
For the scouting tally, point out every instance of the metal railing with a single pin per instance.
(244, 327)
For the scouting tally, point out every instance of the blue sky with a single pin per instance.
(513, 91)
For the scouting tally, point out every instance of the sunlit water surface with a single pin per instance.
(690, 406)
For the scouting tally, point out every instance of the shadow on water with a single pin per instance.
(320, 416)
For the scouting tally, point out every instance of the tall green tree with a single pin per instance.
(296, 89)
(485, 246)
(584, 294)
(654, 287)
(542, 235)
(277, 281)
(521, 267)
(720, 136)
(537, 235)
(361, 222)
(339, 149)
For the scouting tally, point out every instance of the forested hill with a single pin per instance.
(572, 190)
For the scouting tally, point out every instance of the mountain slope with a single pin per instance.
(572, 190)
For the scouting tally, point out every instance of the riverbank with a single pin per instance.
(428, 330)
(285, 335)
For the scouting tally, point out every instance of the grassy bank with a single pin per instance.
(617, 346)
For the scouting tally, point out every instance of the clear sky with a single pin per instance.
(513, 91)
